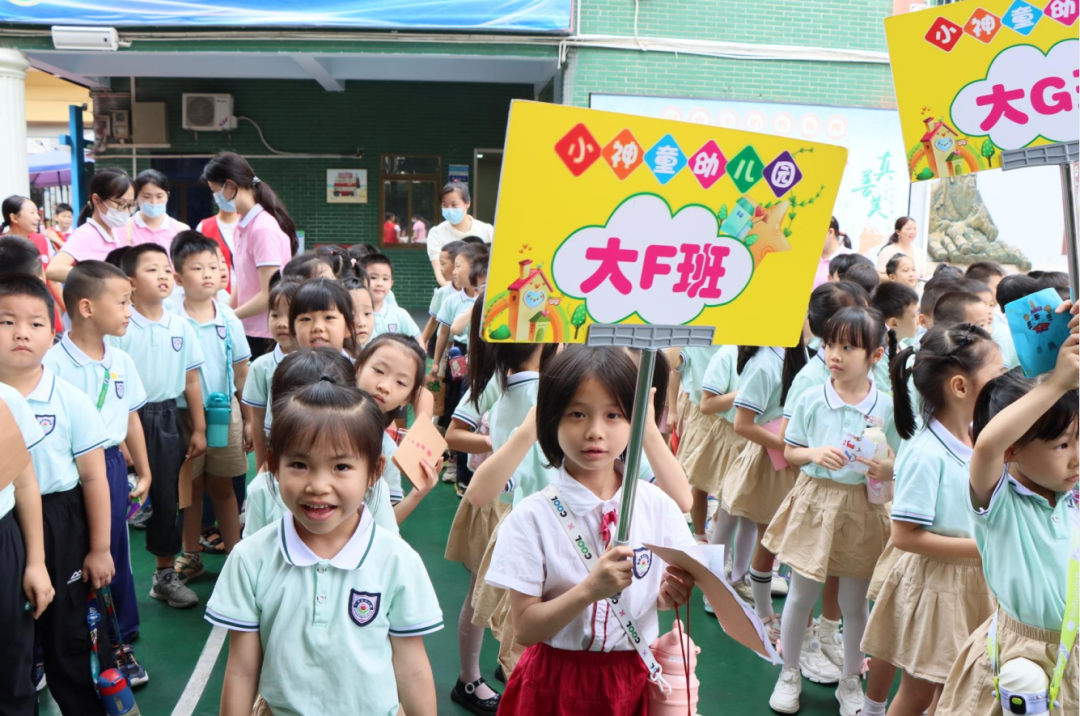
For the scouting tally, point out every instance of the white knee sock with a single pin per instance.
(745, 542)
(723, 527)
(798, 605)
(761, 584)
(856, 611)
(470, 638)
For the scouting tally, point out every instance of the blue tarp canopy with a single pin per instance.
(51, 168)
(488, 15)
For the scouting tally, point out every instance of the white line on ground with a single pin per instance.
(197, 683)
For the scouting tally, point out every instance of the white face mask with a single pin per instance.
(115, 218)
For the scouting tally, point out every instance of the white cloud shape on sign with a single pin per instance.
(1041, 87)
(643, 228)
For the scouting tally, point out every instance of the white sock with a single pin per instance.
(745, 542)
(873, 708)
(827, 627)
(761, 585)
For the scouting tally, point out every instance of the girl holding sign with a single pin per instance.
(827, 525)
(579, 602)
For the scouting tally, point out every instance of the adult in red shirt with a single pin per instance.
(21, 218)
(391, 231)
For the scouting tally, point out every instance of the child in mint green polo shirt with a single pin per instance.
(1023, 497)
(326, 588)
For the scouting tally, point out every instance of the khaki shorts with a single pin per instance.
(220, 462)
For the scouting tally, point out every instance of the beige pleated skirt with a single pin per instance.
(828, 529)
(925, 611)
(713, 456)
(885, 563)
(970, 684)
(754, 488)
(486, 598)
(693, 424)
(472, 530)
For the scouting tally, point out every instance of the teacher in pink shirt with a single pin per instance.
(103, 223)
(151, 224)
(265, 241)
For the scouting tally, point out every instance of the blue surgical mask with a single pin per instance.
(223, 203)
(152, 211)
(453, 215)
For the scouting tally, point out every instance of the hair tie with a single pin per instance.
(327, 378)
(255, 181)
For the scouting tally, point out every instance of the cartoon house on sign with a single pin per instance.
(939, 143)
(528, 297)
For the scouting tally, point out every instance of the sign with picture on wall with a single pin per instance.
(346, 186)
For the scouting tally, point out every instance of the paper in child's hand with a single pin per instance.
(12, 447)
(422, 442)
(856, 446)
(1037, 331)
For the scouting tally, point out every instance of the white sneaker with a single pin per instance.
(850, 695)
(812, 661)
(832, 646)
(780, 586)
(772, 628)
(785, 695)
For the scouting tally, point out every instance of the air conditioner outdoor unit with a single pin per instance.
(208, 112)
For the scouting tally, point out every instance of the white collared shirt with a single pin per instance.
(164, 350)
(821, 418)
(123, 392)
(72, 429)
(534, 556)
(335, 617)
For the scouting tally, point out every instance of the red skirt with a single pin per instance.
(555, 682)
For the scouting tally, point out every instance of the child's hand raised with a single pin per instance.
(613, 573)
(881, 470)
(1067, 371)
(828, 457)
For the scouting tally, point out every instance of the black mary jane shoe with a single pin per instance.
(464, 695)
(500, 675)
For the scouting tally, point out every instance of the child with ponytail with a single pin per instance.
(827, 526)
(1022, 496)
(934, 596)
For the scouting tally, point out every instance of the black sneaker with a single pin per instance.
(136, 675)
(464, 695)
(39, 676)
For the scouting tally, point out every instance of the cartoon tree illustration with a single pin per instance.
(578, 319)
(925, 174)
(987, 150)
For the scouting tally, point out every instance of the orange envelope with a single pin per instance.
(423, 441)
(11, 445)
(739, 621)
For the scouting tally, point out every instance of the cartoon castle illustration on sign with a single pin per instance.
(529, 300)
(940, 145)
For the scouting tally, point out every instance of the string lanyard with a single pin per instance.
(588, 554)
(1069, 620)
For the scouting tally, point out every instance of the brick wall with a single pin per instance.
(379, 117)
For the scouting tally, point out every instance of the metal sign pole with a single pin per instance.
(1063, 155)
(1068, 200)
(647, 339)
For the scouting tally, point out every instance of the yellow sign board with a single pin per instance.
(974, 78)
(611, 218)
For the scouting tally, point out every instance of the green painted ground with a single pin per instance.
(732, 679)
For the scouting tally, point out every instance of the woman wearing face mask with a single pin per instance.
(151, 225)
(265, 241)
(456, 226)
(104, 223)
(221, 227)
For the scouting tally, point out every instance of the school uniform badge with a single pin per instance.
(363, 606)
(642, 562)
(177, 343)
(47, 422)
(221, 332)
(119, 389)
(391, 328)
